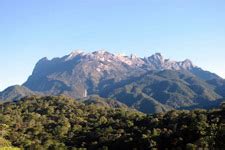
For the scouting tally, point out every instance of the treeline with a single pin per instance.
(64, 123)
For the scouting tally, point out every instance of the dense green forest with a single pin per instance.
(64, 123)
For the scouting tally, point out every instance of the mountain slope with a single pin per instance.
(15, 93)
(162, 88)
(205, 75)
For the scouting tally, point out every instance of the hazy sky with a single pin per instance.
(179, 29)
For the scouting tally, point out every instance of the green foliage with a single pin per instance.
(159, 91)
(63, 123)
(4, 142)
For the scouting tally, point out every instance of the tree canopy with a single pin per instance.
(64, 123)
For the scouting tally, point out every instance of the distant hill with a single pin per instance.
(15, 93)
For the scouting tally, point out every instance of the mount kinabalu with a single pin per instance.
(150, 84)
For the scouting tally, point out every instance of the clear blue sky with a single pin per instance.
(179, 29)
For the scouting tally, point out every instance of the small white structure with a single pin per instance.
(85, 93)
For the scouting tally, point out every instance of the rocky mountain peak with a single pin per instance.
(156, 61)
(133, 56)
(74, 54)
(100, 52)
(157, 57)
(186, 64)
(188, 61)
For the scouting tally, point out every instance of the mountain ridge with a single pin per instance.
(81, 74)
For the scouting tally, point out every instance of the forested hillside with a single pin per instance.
(63, 123)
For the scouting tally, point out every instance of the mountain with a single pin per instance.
(150, 84)
(79, 72)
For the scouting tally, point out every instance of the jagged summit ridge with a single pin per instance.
(74, 54)
(155, 61)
